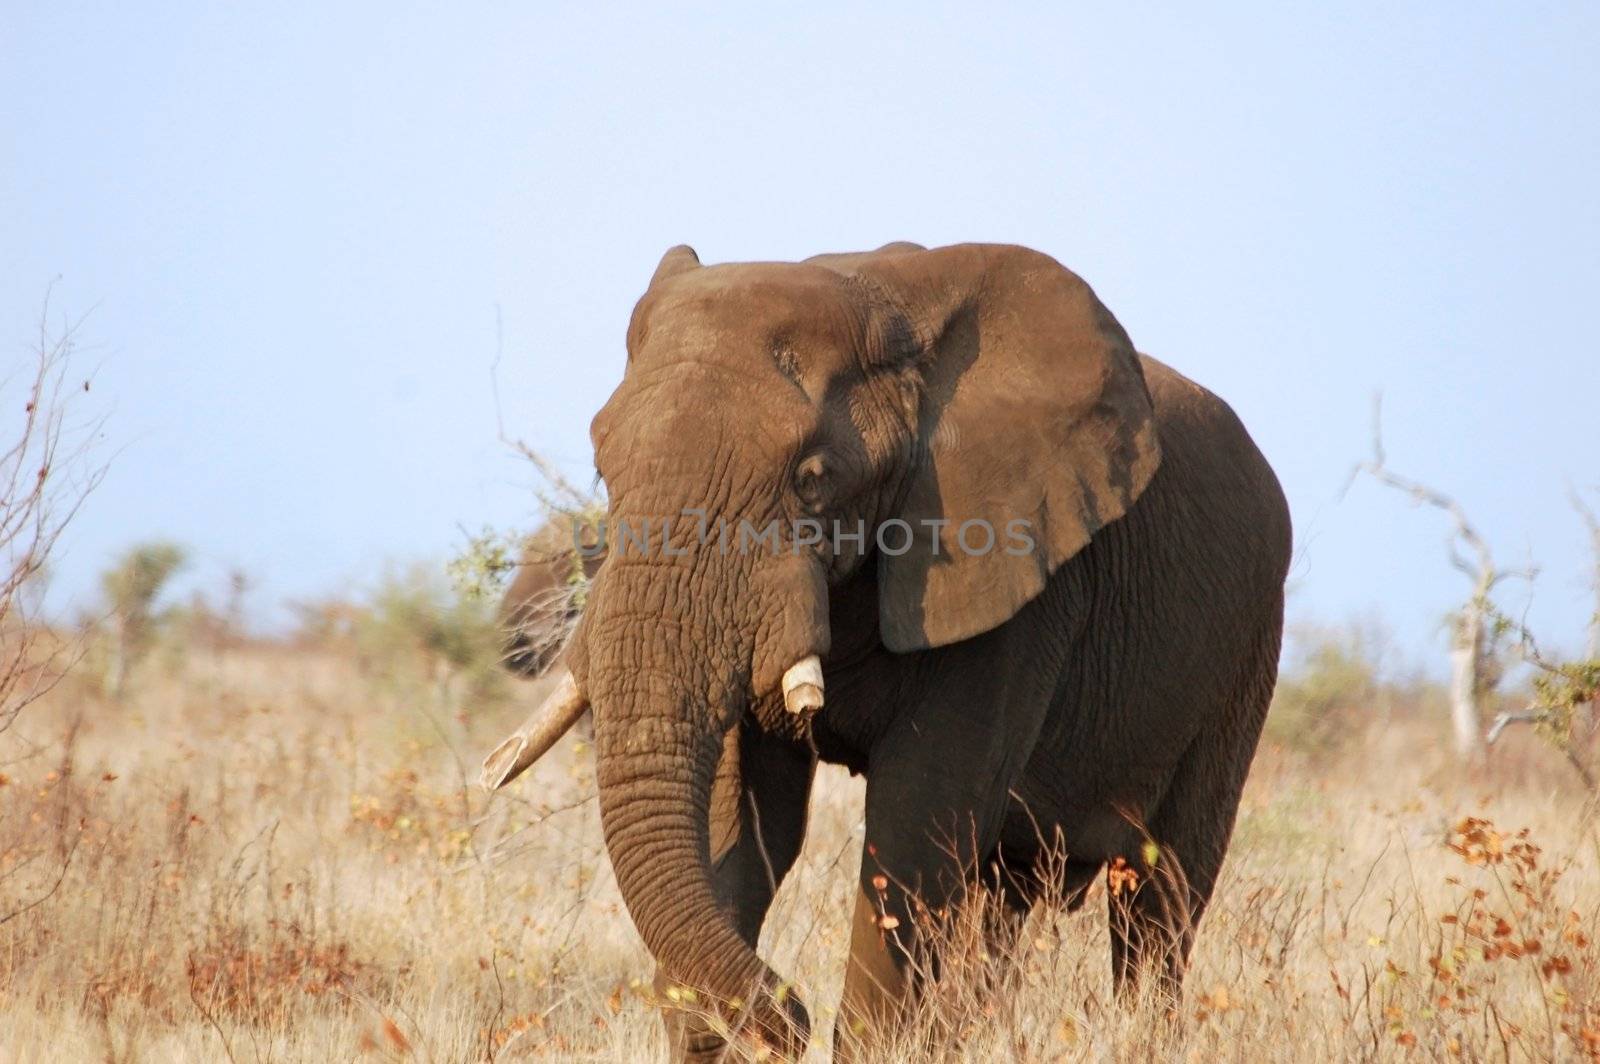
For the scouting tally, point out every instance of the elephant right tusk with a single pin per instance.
(802, 685)
(538, 734)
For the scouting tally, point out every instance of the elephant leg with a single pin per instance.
(886, 963)
(758, 819)
(936, 795)
(905, 892)
(1153, 925)
(1153, 922)
(874, 983)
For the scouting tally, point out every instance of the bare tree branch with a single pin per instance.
(563, 496)
(1562, 709)
(1377, 467)
(1537, 717)
(45, 477)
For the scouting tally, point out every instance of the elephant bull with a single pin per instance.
(927, 514)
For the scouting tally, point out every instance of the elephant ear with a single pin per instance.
(1034, 423)
(679, 259)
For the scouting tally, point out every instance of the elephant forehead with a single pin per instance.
(761, 317)
(692, 411)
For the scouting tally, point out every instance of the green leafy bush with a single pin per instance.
(1331, 682)
(415, 630)
(128, 628)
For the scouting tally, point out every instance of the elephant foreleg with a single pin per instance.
(935, 798)
(874, 983)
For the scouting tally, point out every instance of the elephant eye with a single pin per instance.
(809, 481)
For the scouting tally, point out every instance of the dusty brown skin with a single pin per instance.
(1120, 670)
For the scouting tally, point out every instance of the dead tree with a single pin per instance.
(1474, 665)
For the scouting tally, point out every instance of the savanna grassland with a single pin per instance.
(267, 851)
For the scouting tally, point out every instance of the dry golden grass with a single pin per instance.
(266, 856)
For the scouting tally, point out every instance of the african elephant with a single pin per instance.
(541, 604)
(1046, 604)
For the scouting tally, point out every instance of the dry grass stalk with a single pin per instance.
(278, 860)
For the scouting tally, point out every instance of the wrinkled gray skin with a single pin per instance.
(1108, 684)
(540, 607)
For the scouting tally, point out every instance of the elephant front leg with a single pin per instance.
(887, 960)
(917, 868)
(905, 899)
(758, 819)
(875, 983)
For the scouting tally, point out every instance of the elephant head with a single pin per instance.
(955, 422)
(545, 598)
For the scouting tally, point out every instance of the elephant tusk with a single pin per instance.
(802, 685)
(559, 712)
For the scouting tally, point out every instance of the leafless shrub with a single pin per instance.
(45, 476)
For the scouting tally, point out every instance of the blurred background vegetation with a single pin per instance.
(412, 630)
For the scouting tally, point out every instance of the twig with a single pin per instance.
(1507, 718)
(1536, 717)
(205, 1014)
(66, 863)
(1377, 467)
(43, 484)
(575, 501)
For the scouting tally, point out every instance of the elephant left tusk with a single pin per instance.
(802, 685)
(538, 734)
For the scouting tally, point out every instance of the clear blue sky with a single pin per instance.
(295, 224)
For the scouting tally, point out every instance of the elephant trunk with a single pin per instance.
(677, 640)
(655, 768)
